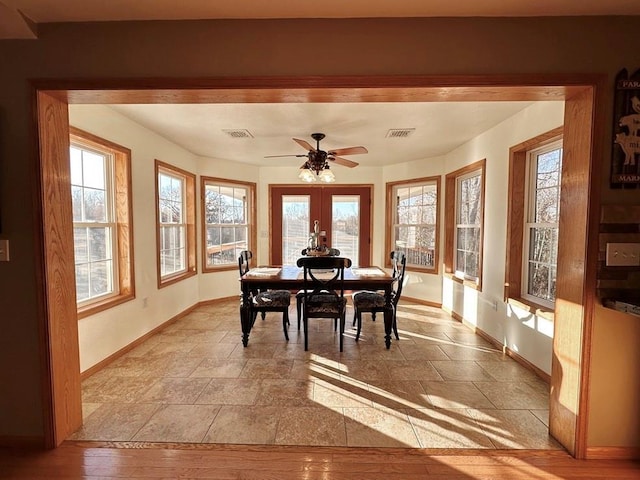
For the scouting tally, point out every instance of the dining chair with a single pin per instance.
(323, 291)
(334, 252)
(373, 302)
(268, 300)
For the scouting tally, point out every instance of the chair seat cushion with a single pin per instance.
(325, 304)
(368, 300)
(272, 298)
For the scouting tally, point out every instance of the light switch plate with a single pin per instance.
(4, 250)
(623, 254)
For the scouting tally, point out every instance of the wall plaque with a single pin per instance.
(625, 156)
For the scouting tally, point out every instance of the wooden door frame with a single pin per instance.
(365, 251)
(583, 96)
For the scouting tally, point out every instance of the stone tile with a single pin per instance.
(178, 423)
(366, 370)
(290, 392)
(258, 350)
(244, 425)
(88, 409)
(115, 422)
(322, 426)
(412, 370)
(119, 390)
(509, 371)
(229, 391)
(398, 394)
(212, 350)
(338, 393)
(542, 415)
(516, 429)
(377, 427)
(421, 351)
(266, 368)
(472, 352)
(456, 395)
(438, 428)
(513, 395)
(219, 368)
(175, 390)
(462, 371)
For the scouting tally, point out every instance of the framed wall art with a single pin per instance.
(625, 155)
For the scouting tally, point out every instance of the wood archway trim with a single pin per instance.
(61, 379)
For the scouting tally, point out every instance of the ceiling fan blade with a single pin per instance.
(348, 151)
(344, 162)
(304, 144)
(279, 156)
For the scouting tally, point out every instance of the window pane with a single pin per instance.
(82, 283)
(99, 248)
(101, 281)
(93, 170)
(547, 205)
(94, 205)
(92, 202)
(345, 226)
(295, 227)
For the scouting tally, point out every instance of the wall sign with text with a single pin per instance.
(625, 157)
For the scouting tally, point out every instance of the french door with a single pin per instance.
(343, 213)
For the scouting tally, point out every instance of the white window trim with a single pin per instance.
(249, 189)
(183, 223)
(459, 273)
(427, 182)
(530, 197)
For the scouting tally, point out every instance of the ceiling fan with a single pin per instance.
(318, 160)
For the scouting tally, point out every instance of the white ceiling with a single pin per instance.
(439, 128)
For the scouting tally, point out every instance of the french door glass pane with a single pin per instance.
(345, 226)
(295, 226)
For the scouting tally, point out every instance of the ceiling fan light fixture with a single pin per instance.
(306, 175)
(326, 175)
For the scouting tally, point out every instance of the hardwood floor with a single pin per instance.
(101, 461)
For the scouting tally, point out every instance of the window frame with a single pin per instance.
(517, 217)
(119, 192)
(250, 215)
(391, 216)
(451, 221)
(189, 222)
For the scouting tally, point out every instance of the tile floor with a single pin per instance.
(440, 386)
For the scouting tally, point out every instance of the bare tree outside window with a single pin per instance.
(226, 214)
(468, 225)
(415, 221)
(541, 229)
(93, 224)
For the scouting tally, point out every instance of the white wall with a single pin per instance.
(105, 333)
(525, 334)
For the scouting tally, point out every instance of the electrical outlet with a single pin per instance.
(623, 254)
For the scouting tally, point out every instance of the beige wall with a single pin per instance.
(255, 48)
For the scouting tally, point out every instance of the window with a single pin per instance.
(412, 221)
(102, 222)
(533, 209)
(544, 167)
(464, 205)
(175, 196)
(228, 219)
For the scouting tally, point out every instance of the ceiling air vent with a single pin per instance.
(400, 132)
(238, 133)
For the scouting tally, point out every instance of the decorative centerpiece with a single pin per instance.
(315, 249)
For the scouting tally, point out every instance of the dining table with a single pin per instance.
(290, 277)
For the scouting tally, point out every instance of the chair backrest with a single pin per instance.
(243, 261)
(323, 274)
(399, 264)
